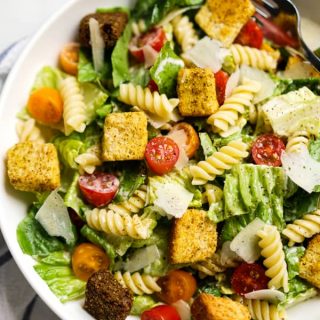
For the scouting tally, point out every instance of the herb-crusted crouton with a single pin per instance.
(193, 238)
(309, 267)
(125, 136)
(209, 307)
(197, 92)
(33, 166)
(223, 19)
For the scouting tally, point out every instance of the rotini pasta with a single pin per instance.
(74, 109)
(253, 57)
(138, 27)
(297, 140)
(184, 32)
(133, 205)
(303, 228)
(212, 193)
(263, 310)
(236, 105)
(220, 161)
(89, 160)
(272, 251)
(210, 267)
(144, 99)
(114, 223)
(28, 131)
(137, 283)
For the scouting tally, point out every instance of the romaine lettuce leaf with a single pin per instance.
(206, 144)
(33, 239)
(119, 58)
(293, 255)
(288, 85)
(165, 70)
(139, 75)
(48, 77)
(141, 304)
(56, 271)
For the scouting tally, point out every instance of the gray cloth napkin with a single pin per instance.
(18, 301)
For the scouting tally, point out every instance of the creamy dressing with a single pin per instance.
(310, 33)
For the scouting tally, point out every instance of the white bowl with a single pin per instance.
(43, 50)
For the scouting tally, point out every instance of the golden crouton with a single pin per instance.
(309, 267)
(193, 238)
(209, 307)
(223, 19)
(125, 136)
(33, 166)
(197, 92)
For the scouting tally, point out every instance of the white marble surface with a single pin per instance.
(21, 18)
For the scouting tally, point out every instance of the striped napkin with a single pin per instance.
(18, 301)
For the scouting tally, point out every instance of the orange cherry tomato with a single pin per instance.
(87, 258)
(46, 105)
(176, 285)
(69, 58)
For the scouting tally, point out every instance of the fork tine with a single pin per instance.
(271, 4)
(261, 10)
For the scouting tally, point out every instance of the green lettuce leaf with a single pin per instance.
(251, 191)
(33, 239)
(293, 256)
(209, 288)
(314, 149)
(141, 304)
(139, 75)
(48, 77)
(229, 64)
(56, 271)
(165, 70)
(119, 58)
(288, 85)
(114, 9)
(206, 144)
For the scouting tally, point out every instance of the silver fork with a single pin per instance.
(270, 9)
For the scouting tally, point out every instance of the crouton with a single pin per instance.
(125, 136)
(33, 166)
(111, 26)
(209, 307)
(197, 92)
(193, 238)
(223, 19)
(309, 266)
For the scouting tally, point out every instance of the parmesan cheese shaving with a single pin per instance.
(97, 44)
(180, 138)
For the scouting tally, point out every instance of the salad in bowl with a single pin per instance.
(172, 160)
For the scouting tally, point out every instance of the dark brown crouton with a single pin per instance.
(111, 26)
(105, 298)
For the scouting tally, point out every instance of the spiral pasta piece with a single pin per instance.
(133, 205)
(28, 131)
(184, 32)
(137, 283)
(263, 310)
(138, 27)
(148, 101)
(297, 141)
(89, 160)
(212, 193)
(210, 267)
(272, 251)
(220, 161)
(235, 106)
(253, 57)
(303, 228)
(74, 108)
(117, 224)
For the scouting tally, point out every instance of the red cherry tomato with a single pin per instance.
(221, 84)
(250, 35)
(99, 188)
(162, 312)
(274, 33)
(153, 86)
(161, 154)
(155, 38)
(267, 150)
(249, 277)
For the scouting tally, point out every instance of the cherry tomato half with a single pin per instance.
(249, 277)
(221, 84)
(155, 38)
(176, 285)
(250, 35)
(274, 33)
(99, 188)
(162, 312)
(153, 86)
(161, 154)
(87, 259)
(267, 150)
(69, 58)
